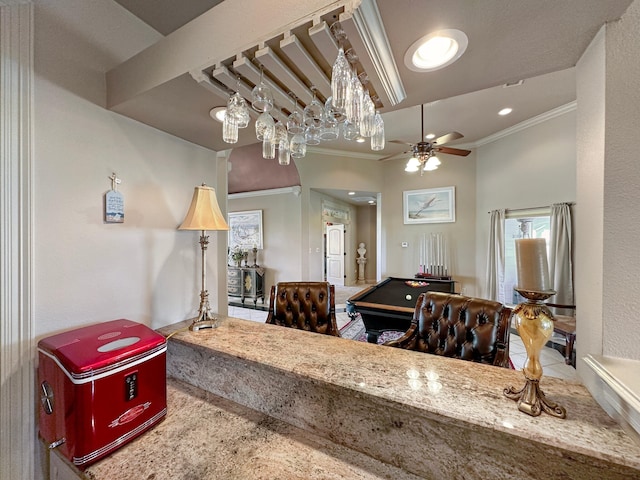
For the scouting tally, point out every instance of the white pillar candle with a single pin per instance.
(531, 260)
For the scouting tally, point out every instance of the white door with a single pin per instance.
(335, 254)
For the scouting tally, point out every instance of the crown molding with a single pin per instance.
(368, 23)
(343, 153)
(295, 190)
(543, 117)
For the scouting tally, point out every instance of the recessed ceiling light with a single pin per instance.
(360, 140)
(436, 50)
(430, 136)
(372, 202)
(505, 111)
(351, 193)
(217, 113)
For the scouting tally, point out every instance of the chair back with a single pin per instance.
(304, 305)
(461, 327)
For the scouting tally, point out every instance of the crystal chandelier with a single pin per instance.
(350, 111)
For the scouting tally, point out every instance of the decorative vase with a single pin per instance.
(534, 323)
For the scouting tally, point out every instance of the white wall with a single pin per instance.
(607, 258)
(590, 187)
(533, 167)
(621, 335)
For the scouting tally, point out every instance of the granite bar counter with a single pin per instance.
(436, 417)
(289, 404)
(206, 437)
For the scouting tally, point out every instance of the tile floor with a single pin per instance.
(552, 361)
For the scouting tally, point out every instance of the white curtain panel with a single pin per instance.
(560, 255)
(495, 258)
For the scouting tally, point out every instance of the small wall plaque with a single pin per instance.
(114, 202)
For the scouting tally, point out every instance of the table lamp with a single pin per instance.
(204, 214)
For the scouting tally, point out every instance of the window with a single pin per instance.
(520, 227)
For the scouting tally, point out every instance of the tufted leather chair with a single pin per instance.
(460, 327)
(304, 305)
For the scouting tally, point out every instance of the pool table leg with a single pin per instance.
(372, 336)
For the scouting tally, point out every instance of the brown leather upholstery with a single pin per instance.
(460, 327)
(304, 305)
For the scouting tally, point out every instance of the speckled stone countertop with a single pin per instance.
(205, 437)
(385, 401)
(287, 404)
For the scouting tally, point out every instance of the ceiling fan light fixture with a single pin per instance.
(411, 168)
(413, 162)
(431, 164)
(436, 50)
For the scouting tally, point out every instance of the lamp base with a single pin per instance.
(532, 401)
(203, 324)
(205, 318)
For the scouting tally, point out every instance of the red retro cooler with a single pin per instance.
(100, 387)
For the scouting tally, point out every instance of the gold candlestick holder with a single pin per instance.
(534, 322)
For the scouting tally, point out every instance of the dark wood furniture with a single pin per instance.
(304, 305)
(246, 282)
(456, 326)
(390, 304)
(565, 325)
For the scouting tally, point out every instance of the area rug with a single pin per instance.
(354, 330)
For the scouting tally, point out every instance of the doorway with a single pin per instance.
(335, 252)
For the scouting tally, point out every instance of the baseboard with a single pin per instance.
(250, 305)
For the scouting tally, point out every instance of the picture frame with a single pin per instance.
(432, 205)
(245, 230)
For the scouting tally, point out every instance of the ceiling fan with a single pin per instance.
(424, 151)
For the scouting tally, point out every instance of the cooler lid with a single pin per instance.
(102, 346)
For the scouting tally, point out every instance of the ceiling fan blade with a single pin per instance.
(448, 137)
(452, 151)
(401, 142)
(395, 155)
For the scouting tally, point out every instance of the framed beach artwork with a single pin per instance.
(245, 229)
(433, 205)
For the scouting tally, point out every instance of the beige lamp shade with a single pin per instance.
(204, 212)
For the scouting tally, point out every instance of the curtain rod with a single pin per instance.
(534, 208)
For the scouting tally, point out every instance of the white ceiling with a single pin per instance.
(538, 41)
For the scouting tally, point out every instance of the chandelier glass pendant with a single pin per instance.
(350, 109)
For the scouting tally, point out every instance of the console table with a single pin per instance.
(246, 282)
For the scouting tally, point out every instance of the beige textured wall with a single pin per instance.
(281, 232)
(590, 187)
(621, 228)
(531, 168)
(366, 232)
(398, 261)
(87, 271)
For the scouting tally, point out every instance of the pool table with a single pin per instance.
(389, 305)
